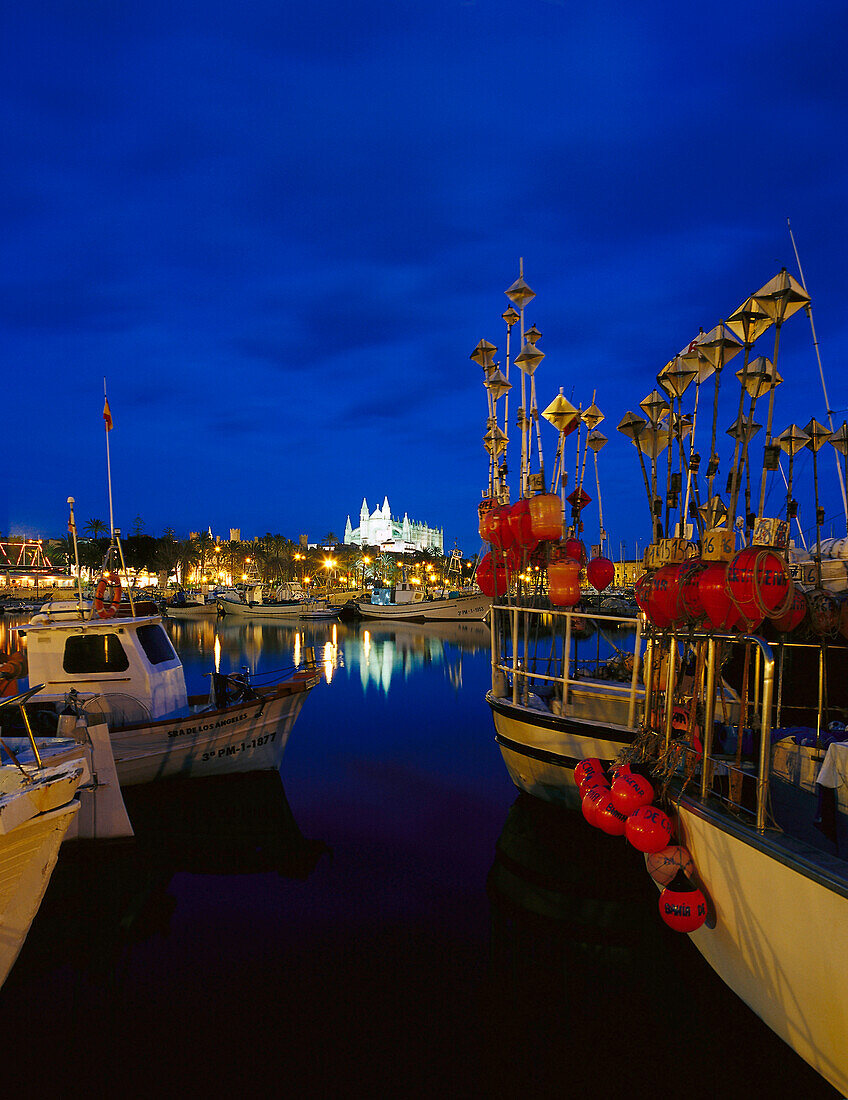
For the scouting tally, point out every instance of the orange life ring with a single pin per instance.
(109, 609)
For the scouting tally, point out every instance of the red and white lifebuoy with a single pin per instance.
(107, 609)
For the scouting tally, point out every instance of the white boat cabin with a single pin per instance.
(129, 657)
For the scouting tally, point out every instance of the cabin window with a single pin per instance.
(86, 653)
(156, 644)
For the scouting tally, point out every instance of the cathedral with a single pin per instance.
(392, 535)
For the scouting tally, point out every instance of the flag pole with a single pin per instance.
(107, 419)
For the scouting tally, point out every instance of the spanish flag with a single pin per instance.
(107, 414)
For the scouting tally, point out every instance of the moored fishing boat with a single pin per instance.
(124, 670)
(762, 887)
(37, 806)
(405, 601)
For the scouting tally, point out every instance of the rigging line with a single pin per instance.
(828, 410)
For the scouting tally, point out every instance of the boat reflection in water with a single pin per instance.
(596, 995)
(109, 901)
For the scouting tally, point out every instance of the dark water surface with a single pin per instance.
(386, 918)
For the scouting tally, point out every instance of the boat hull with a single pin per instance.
(541, 749)
(295, 610)
(470, 608)
(34, 822)
(780, 932)
(244, 737)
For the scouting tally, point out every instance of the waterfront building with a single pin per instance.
(392, 534)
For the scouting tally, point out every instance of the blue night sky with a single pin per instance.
(279, 230)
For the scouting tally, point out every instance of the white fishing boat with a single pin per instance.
(739, 680)
(290, 602)
(406, 601)
(37, 806)
(125, 671)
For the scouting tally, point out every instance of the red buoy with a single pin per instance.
(663, 603)
(590, 802)
(590, 768)
(759, 582)
(630, 791)
(690, 605)
(499, 532)
(609, 819)
(649, 829)
(794, 615)
(491, 576)
(564, 583)
(521, 526)
(484, 510)
(600, 573)
(682, 905)
(546, 516)
(575, 550)
(718, 606)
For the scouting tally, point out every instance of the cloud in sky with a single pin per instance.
(278, 232)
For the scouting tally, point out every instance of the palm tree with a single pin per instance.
(166, 556)
(95, 528)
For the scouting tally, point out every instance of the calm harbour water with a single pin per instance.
(388, 919)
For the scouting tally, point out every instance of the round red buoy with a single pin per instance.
(590, 802)
(491, 576)
(719, 608)
(610, 819)
(689, 591)
(665, 592)
(663, 866)
(575, 550)
(600, 573)
(590, 768)
(521, 525)
(630, 791)
(682, 905)
(649, 829)
(794, 615)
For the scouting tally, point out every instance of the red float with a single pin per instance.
(663, 605)
(682, 905)
(521, 526)
(690, 606)
(546, 516)
(794, 615)
(590, 803)
(590, 768)
(564, 583)
(600, 573)
(649, 829)
(759, 583)
(719, 608)
(609, 819)
(484, 510)
(630, 791)
(492, 577)
(499, 530)
(575, 550)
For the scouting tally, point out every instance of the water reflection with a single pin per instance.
(374, 653)
(104, 901)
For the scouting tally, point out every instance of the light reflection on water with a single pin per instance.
(372, 653)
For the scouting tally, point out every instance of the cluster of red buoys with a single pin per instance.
(518, 532)
(624, 807)
(734, 595)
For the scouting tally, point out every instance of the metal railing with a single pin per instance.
(519, 668)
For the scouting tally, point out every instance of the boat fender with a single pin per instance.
(107, 609)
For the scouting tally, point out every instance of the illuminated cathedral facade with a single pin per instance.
(391, 534)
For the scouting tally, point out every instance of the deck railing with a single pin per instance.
(513, 622)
